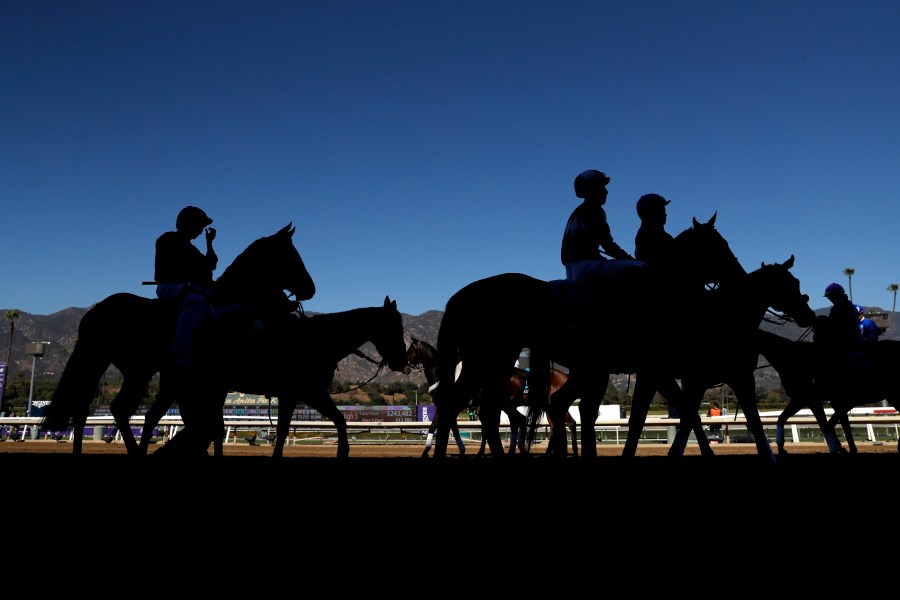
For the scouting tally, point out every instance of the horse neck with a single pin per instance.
(343, 332)
(774, 348)
(743, 299)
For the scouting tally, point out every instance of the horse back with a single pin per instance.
(124, 325)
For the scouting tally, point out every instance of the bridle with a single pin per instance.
(413, 353)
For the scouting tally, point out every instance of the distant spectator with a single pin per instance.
(714, 411)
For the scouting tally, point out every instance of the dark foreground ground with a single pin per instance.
(244, 524)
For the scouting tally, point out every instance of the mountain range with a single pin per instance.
(60, 329)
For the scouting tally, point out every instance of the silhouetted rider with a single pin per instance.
(587, 232)
(184, 275)
(836, 336)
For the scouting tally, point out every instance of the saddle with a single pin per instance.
(597, 306)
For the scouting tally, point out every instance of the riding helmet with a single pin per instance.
(833, 288)
(859, 308)
(589, 181)
(191, 216)
(648, 202)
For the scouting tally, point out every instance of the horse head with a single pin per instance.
(704, 256)
(783, 292)
(413, 355)
(289, 269)
(264, 270)
(389, 340)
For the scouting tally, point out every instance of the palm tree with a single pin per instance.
(849, 271)
(893, 289)
(11, 315)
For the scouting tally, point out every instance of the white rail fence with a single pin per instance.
(879, 426)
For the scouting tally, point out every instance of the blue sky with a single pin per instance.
(421, 145)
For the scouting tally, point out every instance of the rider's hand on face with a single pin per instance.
(210, 234)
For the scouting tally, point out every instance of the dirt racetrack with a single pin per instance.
(393, 475)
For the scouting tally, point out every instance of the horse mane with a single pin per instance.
(246, 265)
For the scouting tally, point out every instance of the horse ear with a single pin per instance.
(389, 303)
(712, 219)
(789, 262)
(286, 230)
(696, 222)
(291, 229)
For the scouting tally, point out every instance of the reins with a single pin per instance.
(380, 365)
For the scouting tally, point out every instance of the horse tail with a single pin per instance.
(534, 416)
(72, 397)
(447, 352)
(538, 395)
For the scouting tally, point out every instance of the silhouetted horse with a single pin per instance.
(722, 350)
(794, 361)
(297, 365)
(135, 334)
(579, 325)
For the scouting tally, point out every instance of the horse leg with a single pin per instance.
(675, 398)
(644, 390)
(154, 415)
(460, 445)
(792, 408)
(836, 417)
(444, 418)
(490, 427)
(123, 407)
(429, 439)
(557, 409)
(573, 431)
(754, 424)
(442, 433)
(848, 434)
(518, 429)
(589, 408)
(688, 413)
(818, 411)
(840, 415)
(745, 391)
(79, 421)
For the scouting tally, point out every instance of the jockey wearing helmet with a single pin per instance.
(587, 232)
(184, 276)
